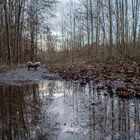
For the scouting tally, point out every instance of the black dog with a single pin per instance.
(33, 65)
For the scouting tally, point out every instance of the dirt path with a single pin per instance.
(22, 75)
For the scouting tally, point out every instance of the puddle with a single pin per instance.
(59, 110)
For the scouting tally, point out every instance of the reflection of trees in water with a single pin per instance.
(23, 112)
(103, 116)
(51, 87)
(115, 118)
(123, 116)
(20, 112)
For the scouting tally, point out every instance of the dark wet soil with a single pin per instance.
(23, 75)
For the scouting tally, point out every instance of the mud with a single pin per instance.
(23, 75)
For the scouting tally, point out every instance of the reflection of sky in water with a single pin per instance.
(74, 109)
(52, 89)
(65, 110)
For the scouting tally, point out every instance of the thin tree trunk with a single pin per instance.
(110, 28)
(8, 33)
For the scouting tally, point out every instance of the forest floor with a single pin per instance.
(20, 75)
(124, 79)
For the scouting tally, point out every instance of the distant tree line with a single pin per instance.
(21, 23)
(101, 28)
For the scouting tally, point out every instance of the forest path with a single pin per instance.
(23, 75)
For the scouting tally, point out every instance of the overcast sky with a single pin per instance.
(55, 22)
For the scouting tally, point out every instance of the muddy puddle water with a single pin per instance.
(59, 110)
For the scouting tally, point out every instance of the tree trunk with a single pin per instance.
(8, 33)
